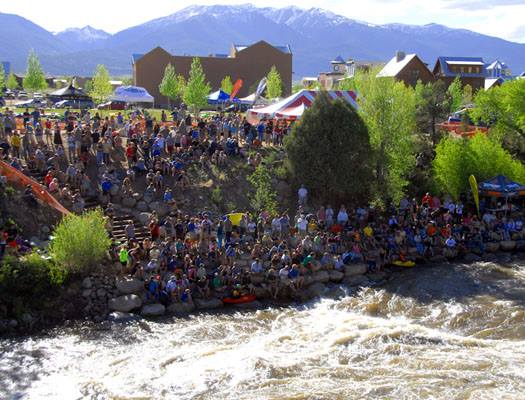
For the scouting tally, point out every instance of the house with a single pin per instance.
(493, 82)
(247, 62)
(407, 68)
(471, 71)
(340, 71)
(498, 69)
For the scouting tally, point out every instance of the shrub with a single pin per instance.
(26, 283)
(80, 242)
(264, 197)
(216, 196)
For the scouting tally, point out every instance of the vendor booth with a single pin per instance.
(132, 94)
(501, 186)
(293, 107)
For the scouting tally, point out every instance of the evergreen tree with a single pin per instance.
(329, 152)
(274, 85)
(432, 106)
(197, 88)
(35, 79)
(171, 86)
(12, 83)
(227, 84)
(388, 109)
(101, 88)
(467, 95)
(455, 92)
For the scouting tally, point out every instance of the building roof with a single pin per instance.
(135, 57)
(491, 82)
(394, 67)
(285, 49)
(338, 60)
(444, 62)
(497, 65)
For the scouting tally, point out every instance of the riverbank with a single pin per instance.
(103, 297)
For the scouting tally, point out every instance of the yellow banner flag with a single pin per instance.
(475, 193)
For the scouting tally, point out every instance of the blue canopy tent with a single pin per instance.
(501, 186)
(217, 97)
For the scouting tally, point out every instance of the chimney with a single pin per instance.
(400, 55)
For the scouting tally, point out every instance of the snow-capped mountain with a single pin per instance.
(315, 35)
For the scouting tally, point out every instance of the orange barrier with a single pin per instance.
(15, 177)
(458, 128)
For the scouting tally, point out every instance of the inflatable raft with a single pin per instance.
(407, 264)
(248, 298)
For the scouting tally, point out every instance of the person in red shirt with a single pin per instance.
(427, 199)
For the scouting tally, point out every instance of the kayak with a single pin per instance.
(407, 264)
(248, 298)
(235, 218)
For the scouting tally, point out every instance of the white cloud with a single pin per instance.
(502, 18)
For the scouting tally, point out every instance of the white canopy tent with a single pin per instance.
(132, 94)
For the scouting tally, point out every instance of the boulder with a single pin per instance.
(355, 269)
(180, 308)
(86, 293)
(122, 317)
(321, 276)
(125, 303)
(356, 280)
(144, 217)
(129, 202)
(336, 276)
(337, 292)
(257, 279)
(142, 206)
(315, 289)
(492, 247)
(136, 196)
(160, 208)
(87, 283)
(471, 258)
(508, 245)
(520, 245)
(210, 304)
(152, 310)
(114, 190)
(261, 292)
(101, 293)
(130, 286)
(438, 259)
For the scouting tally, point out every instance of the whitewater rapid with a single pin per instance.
(440, 332)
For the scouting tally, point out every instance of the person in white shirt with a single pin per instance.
(303, 195)
(342, 216)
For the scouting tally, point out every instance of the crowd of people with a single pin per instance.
(198, 254)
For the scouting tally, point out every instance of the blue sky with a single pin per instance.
(502, 18)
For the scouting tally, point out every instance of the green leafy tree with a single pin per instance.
(329, 152)
(274, 85)
(171, 86)
(2, 78)
(388, 109)
(467, 95)
(265, 197)
(197, 88)
(227, 84)
(456, 159)
(432, 107)
(455, 92)
(80, 242)
(12, 83)
(503, 108)
(34, 79)
(101, 88)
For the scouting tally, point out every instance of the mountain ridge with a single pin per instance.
(315, 35)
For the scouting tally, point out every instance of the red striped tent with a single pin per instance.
(294, 106)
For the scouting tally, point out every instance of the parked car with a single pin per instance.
(22, 95)
(38, 96)
(112, 105)
(81, 104)
(33, 103)
(9, 94)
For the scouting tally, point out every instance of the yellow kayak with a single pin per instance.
(407, 264)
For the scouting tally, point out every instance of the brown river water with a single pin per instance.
(434, 332)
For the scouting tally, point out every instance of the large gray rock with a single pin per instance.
(321, 276)
(492, 247)
(142, 206)
(122, 317)
(144, 217)
(87, 283)
(180, 308)
(336, 276)
(356, 280)
(125, 303)
(508, 245)
(315, 289)
(114, 190)
(520, 245)
(210, 304)
(355, 269)
(153, 310)
(129, 202)
(129, 286)
(261, 292)
(160, 208)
